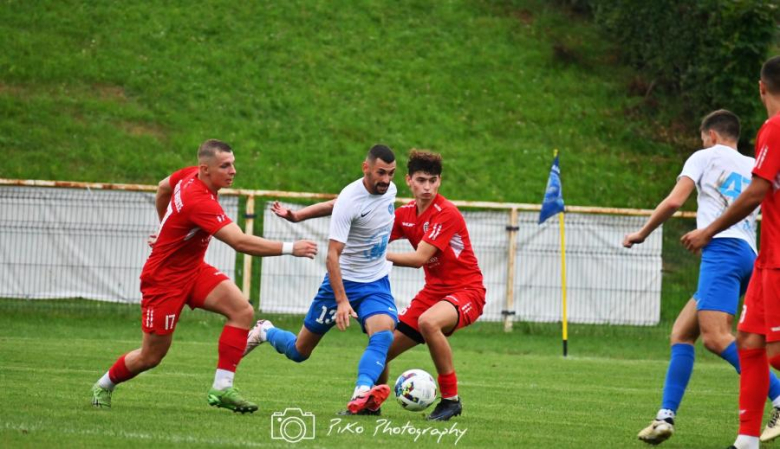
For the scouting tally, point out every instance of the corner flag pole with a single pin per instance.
(564, 317)
(563, 286)
(551, 205)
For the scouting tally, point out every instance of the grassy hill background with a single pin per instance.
(126, 92)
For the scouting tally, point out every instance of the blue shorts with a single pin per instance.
(367, 299)
(724, 273)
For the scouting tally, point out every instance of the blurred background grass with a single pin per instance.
(125, 92)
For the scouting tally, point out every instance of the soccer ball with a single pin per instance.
(415, 390)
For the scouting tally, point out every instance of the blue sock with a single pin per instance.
(284, 343)
(730, 355)
(677, 376)
(774, 386)
(373, 361)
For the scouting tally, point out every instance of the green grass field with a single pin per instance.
(116, 92)
(517, 389)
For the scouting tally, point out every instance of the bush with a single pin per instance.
(707, 51)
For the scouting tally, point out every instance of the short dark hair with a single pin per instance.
(210, 147)
(424, 161)
(380, 152)
(723, 122)
(770, 75)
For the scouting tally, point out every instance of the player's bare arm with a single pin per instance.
(343, 309)
(163, 196)
(743, 206)
(258, 246)
(665, 209)
(425, 251)
(161, 200)
(322, 209)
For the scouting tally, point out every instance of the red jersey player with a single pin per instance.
(454, 295)
(758, 332)
(175, 274)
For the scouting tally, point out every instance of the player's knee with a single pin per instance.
(428, 326)
(679, 337)
(716, 341)
(747, 340)
(244, 315)
(295, 353)
(713, 344)
(382, 338)
(296, 356)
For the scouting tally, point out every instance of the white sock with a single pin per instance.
(105, 382)
(664, 413)
(776, 402)
(359, 390)
(746, 442)
(223, 379)
(451, 398)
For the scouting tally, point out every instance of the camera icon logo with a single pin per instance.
(292, 425)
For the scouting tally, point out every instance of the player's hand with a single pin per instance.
(631, 239)
(695, 240)
(343, 312)
(284, 212)
(305, 248)
(151, 240)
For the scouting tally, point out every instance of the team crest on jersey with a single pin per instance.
(378, 244)
(390, 208)
(425, 227)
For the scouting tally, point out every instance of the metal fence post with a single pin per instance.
(509, 310)
(249, 223)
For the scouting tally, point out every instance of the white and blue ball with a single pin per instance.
(415, 390)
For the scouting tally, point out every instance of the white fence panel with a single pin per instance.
(606, 282)
(76, 243)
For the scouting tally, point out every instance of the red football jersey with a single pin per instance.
(768, 168)
(441, 225)
(193, 216)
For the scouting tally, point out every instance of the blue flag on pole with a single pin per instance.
(553, 196)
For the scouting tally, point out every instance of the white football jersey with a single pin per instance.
(721, 173)
(363, 222)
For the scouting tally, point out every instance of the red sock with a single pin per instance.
(753, 388)
(119, 373)
(232, 343)
(449, 385)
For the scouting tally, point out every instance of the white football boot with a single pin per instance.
(657, 432)
(257, 335)
(772, 429)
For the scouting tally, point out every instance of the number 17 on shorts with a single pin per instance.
(158, 323)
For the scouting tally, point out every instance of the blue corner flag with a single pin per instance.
(553, 196)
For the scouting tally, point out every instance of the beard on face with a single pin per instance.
(381, 188)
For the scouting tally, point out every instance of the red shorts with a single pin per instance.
(162, 305)
(761, 311)
(468, 302)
